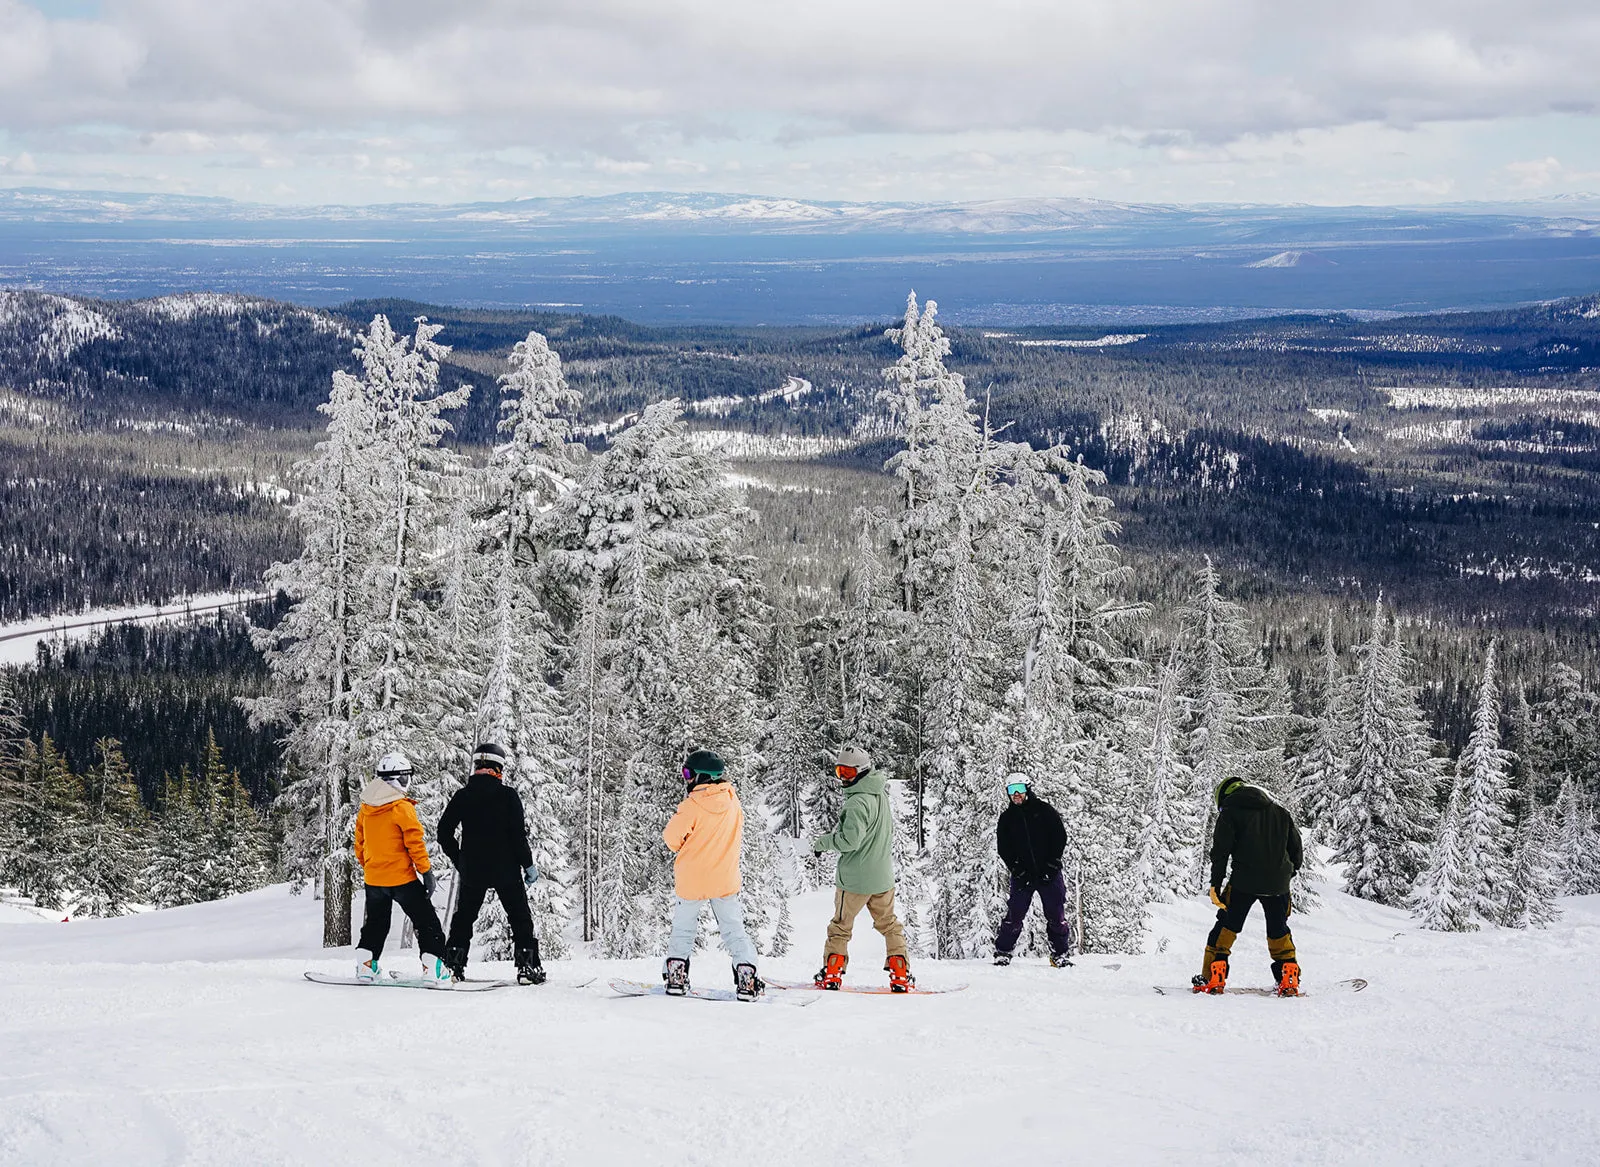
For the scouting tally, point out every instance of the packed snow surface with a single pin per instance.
(190, 1036)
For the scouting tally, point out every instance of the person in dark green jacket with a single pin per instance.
(1258, 837)
(865, 842)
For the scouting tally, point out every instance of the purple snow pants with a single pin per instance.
(1052, 894)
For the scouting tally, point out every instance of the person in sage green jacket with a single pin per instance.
(864, 840)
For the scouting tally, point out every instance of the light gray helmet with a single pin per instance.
(855, 757)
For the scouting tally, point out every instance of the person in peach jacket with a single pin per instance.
(707, 834)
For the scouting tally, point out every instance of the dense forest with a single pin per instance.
(1326, 468)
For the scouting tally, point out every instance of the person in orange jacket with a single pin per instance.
(707, 834)
(395, 869)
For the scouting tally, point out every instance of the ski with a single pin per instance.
(1353, 985)
(409, 983)
(640, 989)
(874, 990)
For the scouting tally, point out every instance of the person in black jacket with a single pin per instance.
(1031, 839)
(1260, 839)
(492, 853)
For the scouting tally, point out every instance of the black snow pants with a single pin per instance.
(414, 903)
(513, 895)
(1230, 922)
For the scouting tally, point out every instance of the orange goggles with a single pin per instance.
(846, 771)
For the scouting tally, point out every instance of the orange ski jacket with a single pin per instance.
(707, 833)
(389, 842)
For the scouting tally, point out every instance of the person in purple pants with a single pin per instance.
(1031, 839)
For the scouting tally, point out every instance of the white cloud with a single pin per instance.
(684, 87)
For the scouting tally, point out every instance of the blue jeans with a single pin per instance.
(729, 911)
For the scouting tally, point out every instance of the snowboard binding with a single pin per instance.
(1216, 982)
(676, 976)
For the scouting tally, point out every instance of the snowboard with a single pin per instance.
(875, 990)
(409, 983)
(640, 989)
(502, 983)
(1353, 985)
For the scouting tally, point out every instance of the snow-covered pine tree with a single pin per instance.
(520, 708)
(239, 839)
(310, 651)
(1566, 737)
(1578, 841)
(108, 845)
(1386, 819)
(647, 547)
(1441, 898)
(1535, 882)
(1319, 773)
(1484, 828)
(1165, 840)
(398, 694)
(1237, 726)
(13, 740)
(792, 756)
(48, 814)
(173, 876)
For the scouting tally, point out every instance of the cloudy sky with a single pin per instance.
(308, 101)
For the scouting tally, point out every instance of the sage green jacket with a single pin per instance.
(864, 838)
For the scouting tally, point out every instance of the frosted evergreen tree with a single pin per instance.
(1442, 897)
(520, 708)
(1485, 823)
(1385, 821)
(783, 931)
(1237, 727)
(239, 841)
(792, 756)
(13, 742)
(648, 548)
(398, 698)
(1578, 841)
(1535, 882)
(1320, 772)
(1164, 842)
(108, 845)
(310, 653)
(174, 875)
(47, 817)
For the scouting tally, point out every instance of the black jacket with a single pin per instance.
(494, 836)
(1260, 837)
(1031, 839)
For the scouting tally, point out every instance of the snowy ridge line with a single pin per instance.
(17, 636)
(1470, 397)
(1111, 340)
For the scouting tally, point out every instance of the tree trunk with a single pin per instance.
(336, 904)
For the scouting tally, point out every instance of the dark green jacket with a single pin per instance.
(864, 838)
(1260, 837)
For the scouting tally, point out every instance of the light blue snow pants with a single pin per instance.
(729, 911)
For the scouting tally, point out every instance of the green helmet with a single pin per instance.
(702, 766)
(1226, 787)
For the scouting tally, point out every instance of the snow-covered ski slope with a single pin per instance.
(190, 1036)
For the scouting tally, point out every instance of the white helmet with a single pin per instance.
(395, 767)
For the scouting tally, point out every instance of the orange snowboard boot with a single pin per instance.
(832, 974)
(1215, 982)
(900, 978)
(1289, 978)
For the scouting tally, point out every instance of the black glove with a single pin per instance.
(816, 854)
(428, 883)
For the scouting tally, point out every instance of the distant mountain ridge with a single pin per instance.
(707, 211)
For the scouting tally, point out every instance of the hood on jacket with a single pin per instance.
(872, 782)
(713, 797)
(377, 792)
(1249, 798)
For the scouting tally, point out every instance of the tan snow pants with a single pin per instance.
(847, 906)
